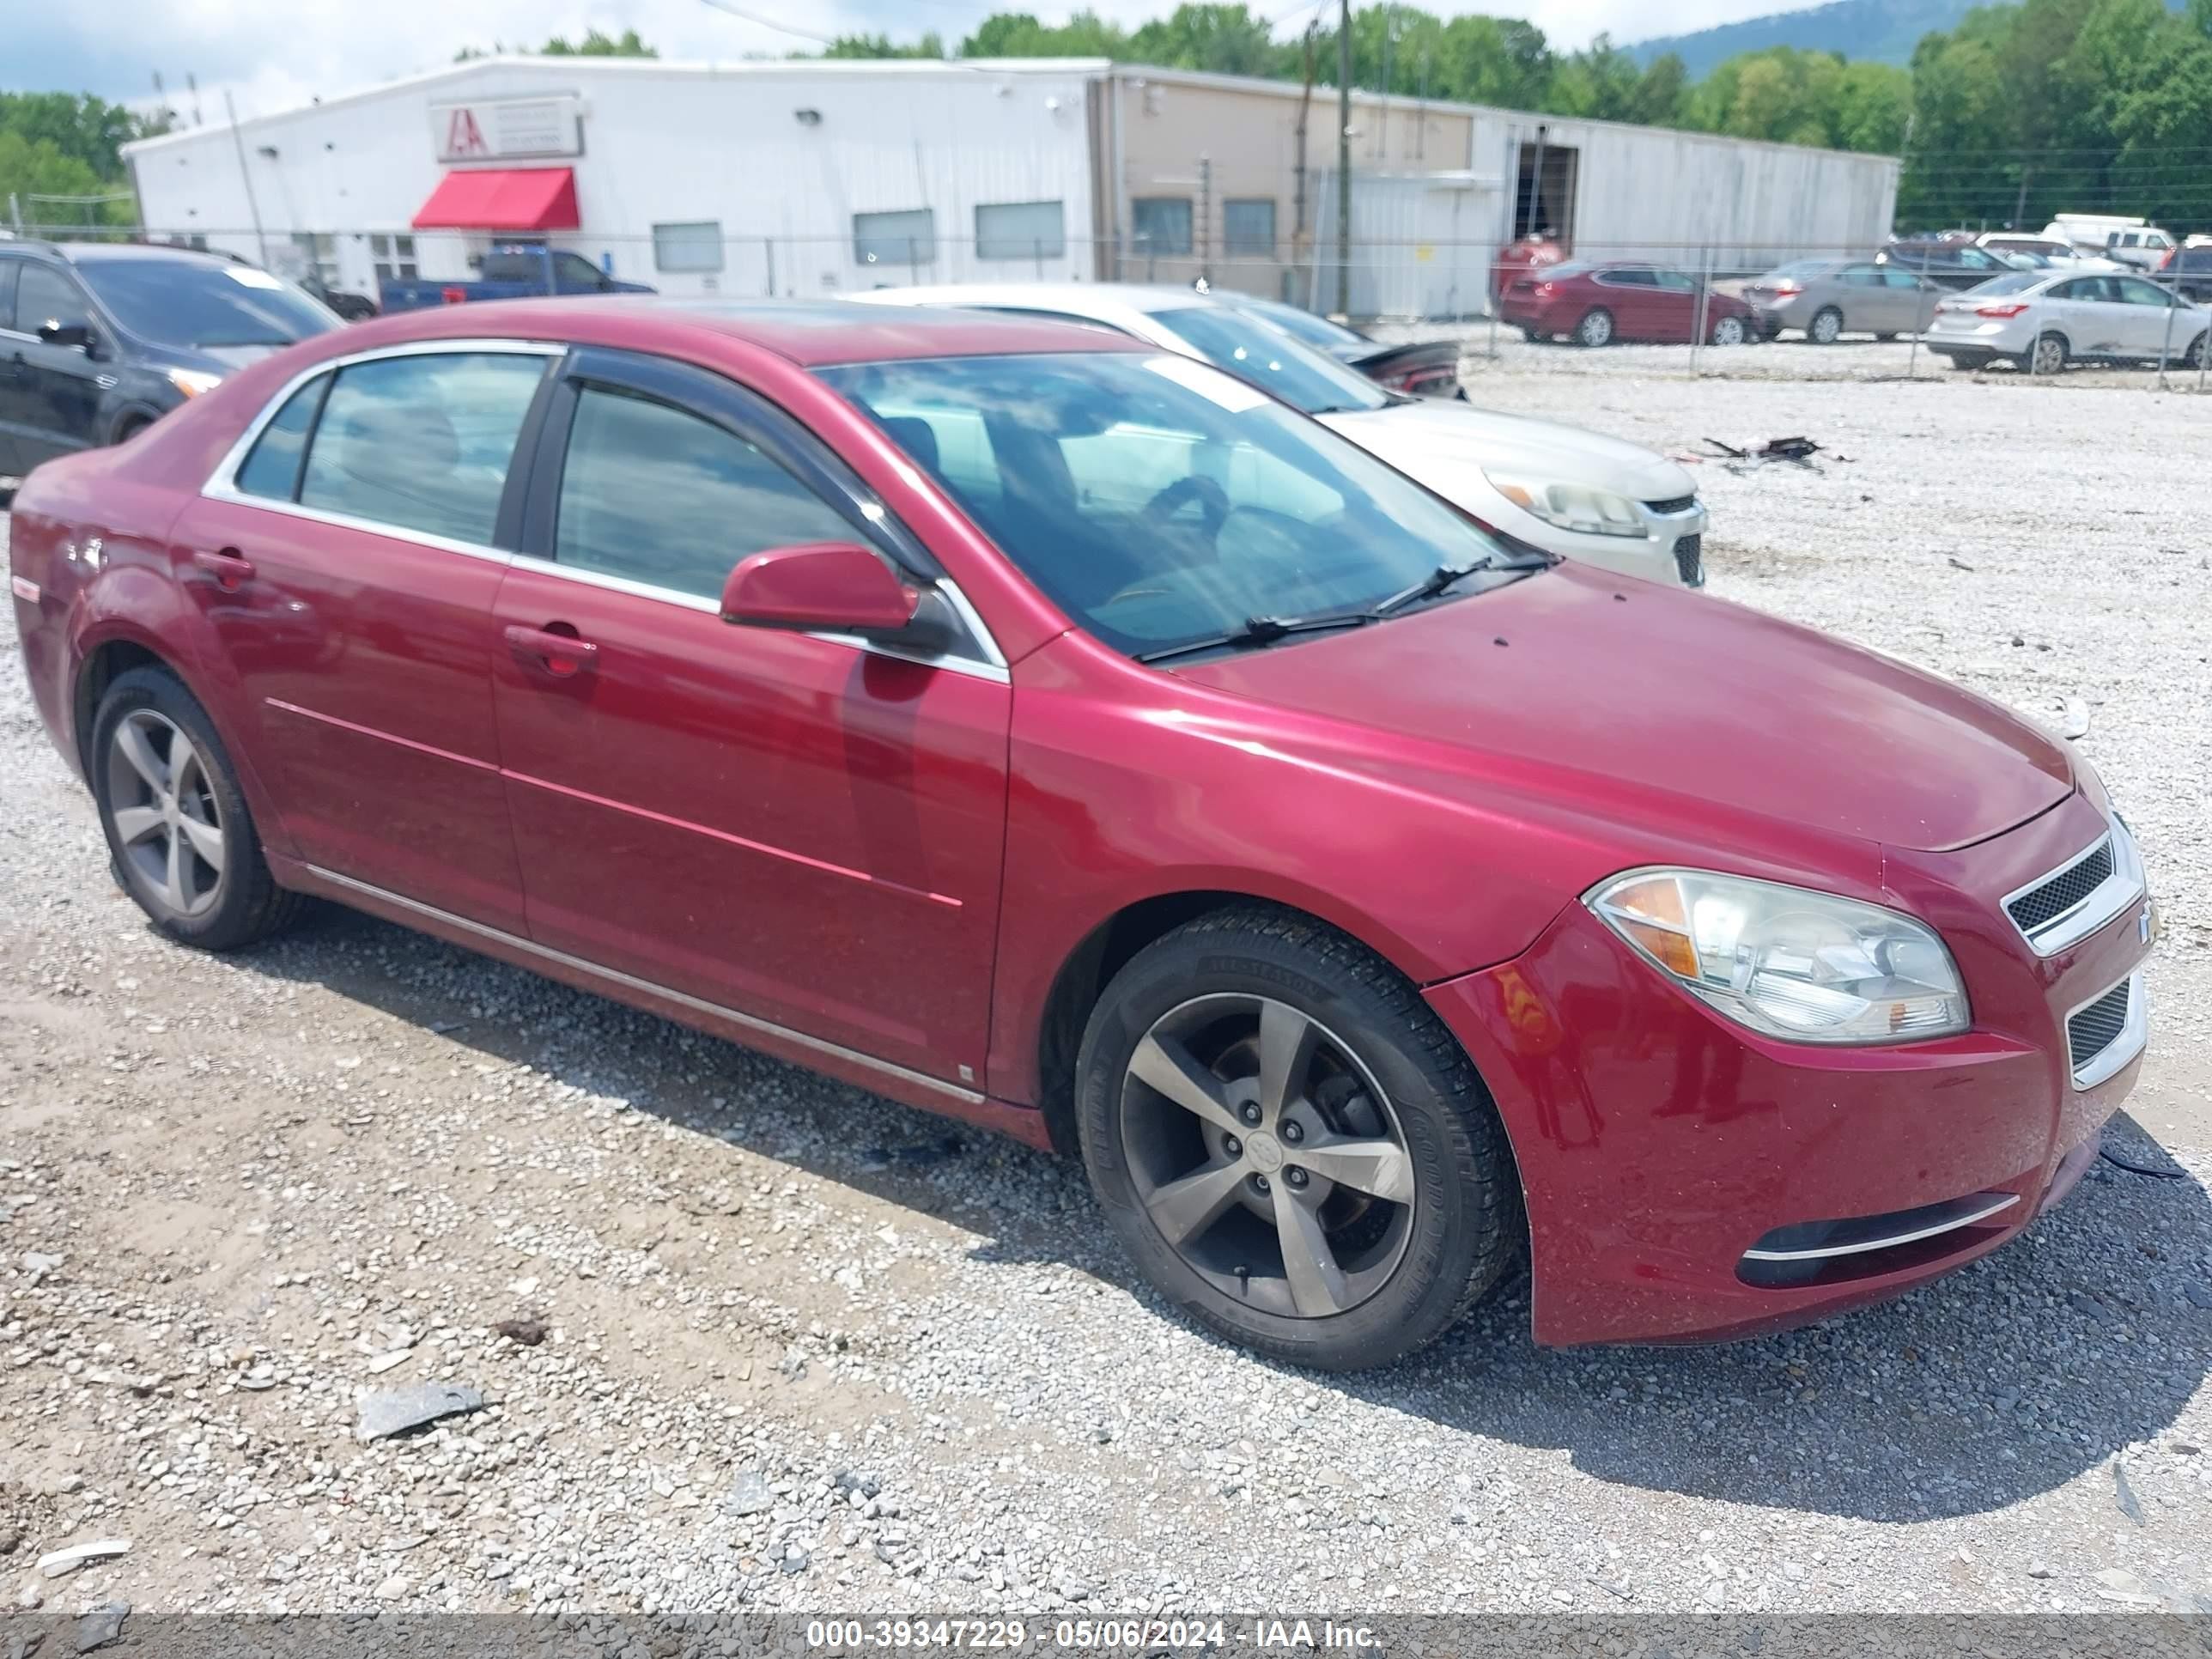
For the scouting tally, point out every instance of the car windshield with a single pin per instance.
(1251, 350)
(198, 307)
(1158, 502)
(1332, 338)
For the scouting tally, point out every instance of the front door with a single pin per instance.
(2151, 328)
(348, 569)
(806, 830)
(56, 389)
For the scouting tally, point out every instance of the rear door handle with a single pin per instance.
(231, 570)
(560, 654)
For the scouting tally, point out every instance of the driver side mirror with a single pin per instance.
(79, 335)
(834, 587)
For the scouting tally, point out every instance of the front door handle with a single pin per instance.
(231, 570)
(552, 651)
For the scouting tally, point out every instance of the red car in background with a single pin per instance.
(1595, 304)
(1030, 725)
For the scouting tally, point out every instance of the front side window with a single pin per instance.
(421, 442)
(1627, 276)
(575, 269)
(273, 469)
(1020, 230)
(1251, 350)
(44, 296)
(1248, 227)
(1675, 282)
(905, 237)
(2137, 292)
(1158, 501)
(654, 495)
(1160, 224)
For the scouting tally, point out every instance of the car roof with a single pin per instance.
(1105, 302)
(811, 333)
(94, 253)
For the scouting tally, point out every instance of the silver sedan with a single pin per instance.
(1829, 298)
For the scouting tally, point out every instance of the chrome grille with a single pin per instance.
(2094, 1029)
(2038, 905)
(1671, 505)
(1690, 560)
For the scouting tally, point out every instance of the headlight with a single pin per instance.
(193, 381)
(1808, 967)
(1572, 506)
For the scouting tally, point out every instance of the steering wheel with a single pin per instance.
(1211, 499)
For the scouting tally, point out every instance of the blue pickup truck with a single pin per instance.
(507, 273)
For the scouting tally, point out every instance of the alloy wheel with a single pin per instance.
(1267, 1156)
(1596, 329)
(162, 804)
(2050, 354)
(1827, 328)
(1728, 331)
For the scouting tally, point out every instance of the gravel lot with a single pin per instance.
(803, 1348)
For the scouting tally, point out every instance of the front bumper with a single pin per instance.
(1660, 1146)
(1671, 549)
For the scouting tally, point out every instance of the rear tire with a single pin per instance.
(1596, 328)
(179, 834)
(2194, 357)
(2046, 357)
(1340, 1218)
(1827, 326)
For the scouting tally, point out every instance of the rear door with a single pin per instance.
(346, 558)
(806, 830)
(1863, 298)
(56, 389)
(1910, 300)
(1631, 293)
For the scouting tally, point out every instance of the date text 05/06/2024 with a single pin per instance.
(1149, 1635)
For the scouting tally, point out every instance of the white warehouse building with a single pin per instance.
(813, 178)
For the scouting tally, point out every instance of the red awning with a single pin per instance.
(502, 198)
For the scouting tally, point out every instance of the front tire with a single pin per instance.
(179, 834)
(1596, 328)
(1730, 331)
(1290, 1143)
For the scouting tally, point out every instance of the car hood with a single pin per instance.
(1570, 681)
(1436, 441)
(218, 359)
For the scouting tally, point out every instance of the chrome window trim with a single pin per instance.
(2096, 908)
(1996, 1204)
(2133, 1039)
(684, 998)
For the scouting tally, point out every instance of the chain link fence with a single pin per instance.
(1733, 310)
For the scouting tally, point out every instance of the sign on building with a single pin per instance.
(507, 129)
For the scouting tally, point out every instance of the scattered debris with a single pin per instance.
(385, 1412)
(527, 1332)
(62, 1563)
(2118, 1584)
(37, 1263)
(922, 1152)
(749, 1494)
(1957, 563)
(1798, 452)
(101, 1626)
(384, 1362)
(2125, 1495)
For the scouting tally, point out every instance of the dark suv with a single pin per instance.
(1948, 264)
(2188, 271)
(99, 339)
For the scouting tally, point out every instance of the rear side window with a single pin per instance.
(273, 468)
(8, 269)
(44, 296)
(654, 495)
(421, 442)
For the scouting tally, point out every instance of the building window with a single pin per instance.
(394, 257)
(693, 247)
(1020, 230)
(1247, 226)
(1161, 224)
(907, 238)
(320, 250)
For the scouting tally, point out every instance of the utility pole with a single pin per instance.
(2020, 205)
(1344, 159)
(245, 176)
(1298, 168)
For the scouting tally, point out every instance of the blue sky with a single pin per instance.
(273, 54)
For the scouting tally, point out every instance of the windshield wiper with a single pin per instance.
(1259, 631)
(1437, 581)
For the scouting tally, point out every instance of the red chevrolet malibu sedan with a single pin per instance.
(1595, 304)
(1037, 727)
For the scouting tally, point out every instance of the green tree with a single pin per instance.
(1222, 39)
(596, 44)
(1018, 34)
(931, 45)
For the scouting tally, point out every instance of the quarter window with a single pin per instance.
(273, 469)
(421, 442)
(654, 495)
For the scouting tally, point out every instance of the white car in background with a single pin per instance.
(1578, 494)
(2045, 320)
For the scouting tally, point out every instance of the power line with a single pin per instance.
(769, 22)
